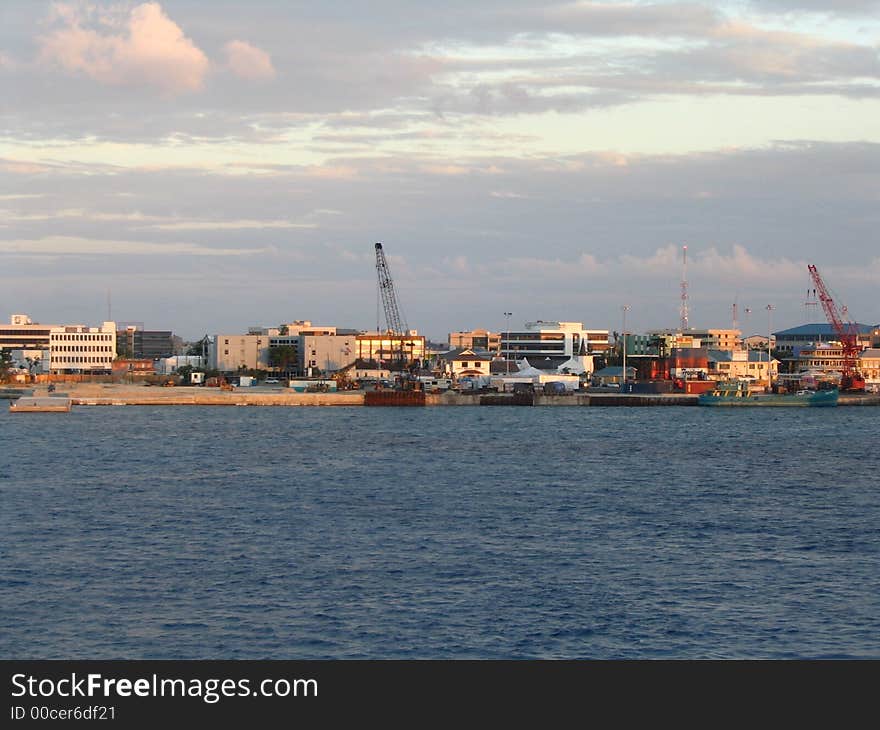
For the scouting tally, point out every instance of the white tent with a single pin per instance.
(526, 370)
(577, 365)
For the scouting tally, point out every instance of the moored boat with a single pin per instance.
(738, 394)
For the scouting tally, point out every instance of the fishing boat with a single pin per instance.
(738, 394)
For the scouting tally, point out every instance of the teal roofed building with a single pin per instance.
(807, 335)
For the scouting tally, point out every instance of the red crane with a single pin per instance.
(847, 332)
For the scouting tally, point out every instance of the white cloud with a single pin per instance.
(229, 225)
(76, 246)
(248, 62)
(146, 49)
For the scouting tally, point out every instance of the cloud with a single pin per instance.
(54, 246)
(145, 49)
(248, 62)
(629, 18)
(229, 225)
(838, 7)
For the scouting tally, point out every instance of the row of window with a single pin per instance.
(82, 348)
(59, 361)
(752, 366)
(89, 337)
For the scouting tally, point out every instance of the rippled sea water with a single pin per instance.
(301, 533)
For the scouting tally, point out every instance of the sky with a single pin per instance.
(210, 166)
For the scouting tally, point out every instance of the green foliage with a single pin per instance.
(5, 363)
(283, 357)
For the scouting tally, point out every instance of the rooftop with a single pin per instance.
(822, 329)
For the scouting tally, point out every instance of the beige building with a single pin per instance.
(465, 362)
(729, 365)
(869, 366)
(476, 339)
(229, 353)
(326, 352)
(80, 349)
(382, 347)
(713, 339)
(23, 334)
(718, 339)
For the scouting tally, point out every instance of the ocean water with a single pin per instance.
(303, 533)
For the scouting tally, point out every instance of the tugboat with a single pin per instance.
(738, 394)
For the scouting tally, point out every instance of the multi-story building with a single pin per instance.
(869, 367)
(729, 364)
(711, 338)
(546, 345)
(718, 339)
(326, 353)
(316, 348)
(23, 334)
(829, 359)
(809, 335)
(81, 349)
(637, 344)
(230, 353)
(384, 348)
(476, 339)
(60, 349)
(133, 341)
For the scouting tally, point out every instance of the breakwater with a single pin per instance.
(122, 395)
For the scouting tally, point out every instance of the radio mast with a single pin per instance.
(684, 290)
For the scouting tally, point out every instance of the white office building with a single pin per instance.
(77, 349)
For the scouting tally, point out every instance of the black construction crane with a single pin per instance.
(394, 321)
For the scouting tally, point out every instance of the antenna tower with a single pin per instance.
(684, 290)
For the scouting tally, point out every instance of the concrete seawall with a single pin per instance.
(125, 395)
(214, 398)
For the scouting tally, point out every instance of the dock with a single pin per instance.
(40, 405)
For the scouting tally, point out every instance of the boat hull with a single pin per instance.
(822, 398)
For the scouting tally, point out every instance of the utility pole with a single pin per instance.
(507, 316)
(625, 309)
(770, 309)
(684, 291)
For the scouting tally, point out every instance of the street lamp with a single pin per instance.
(625, 308)
(507, 316)
(770, 309)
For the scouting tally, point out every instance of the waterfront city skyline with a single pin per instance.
(220, 169)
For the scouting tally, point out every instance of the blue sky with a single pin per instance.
(218, 165)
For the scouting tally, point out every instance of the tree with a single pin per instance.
(5, 363)
(185, 371)
(283, 357)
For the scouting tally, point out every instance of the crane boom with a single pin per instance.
(846, 331)
(393, 320)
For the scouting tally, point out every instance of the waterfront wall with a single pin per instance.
(109, 395)
(224, 399)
